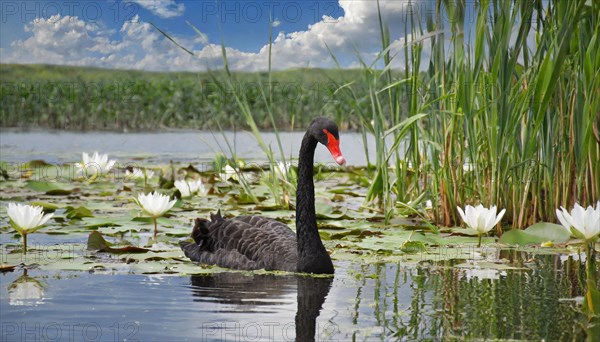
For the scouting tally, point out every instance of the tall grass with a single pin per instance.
(523, 114)
(508, 121)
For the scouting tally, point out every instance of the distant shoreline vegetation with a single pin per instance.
(82, 98)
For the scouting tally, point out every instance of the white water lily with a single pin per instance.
(97, 164)
(184, 188)
(139, 173)
(281, 169)
(156, 205)
(26, 219)
(197, 186)
(228, 173)
(188, 188)
(582, 223)
(480, 219)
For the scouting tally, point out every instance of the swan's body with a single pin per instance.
(256, 242)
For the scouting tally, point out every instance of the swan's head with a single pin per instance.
(326, 132)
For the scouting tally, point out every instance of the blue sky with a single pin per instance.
(118, 34)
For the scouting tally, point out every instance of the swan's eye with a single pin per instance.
(333, 145)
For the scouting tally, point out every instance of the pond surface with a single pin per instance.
(60, 147)
(452, 291)
(362, 302)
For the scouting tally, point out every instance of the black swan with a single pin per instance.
(256, 242)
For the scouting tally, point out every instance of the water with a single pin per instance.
(362, 302)
(374, 302)
(185, 146)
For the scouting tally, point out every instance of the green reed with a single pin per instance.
(506, 116)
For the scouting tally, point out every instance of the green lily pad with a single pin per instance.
(346, 224)
(36, 163)
(536, 234)
(50, 188)
(359, 215)
(117, 230)
(96, 242)
(412, 247)
(161, 221)
(325, 211)
(341, 235)
(95, 222)
(48, 207)
(549, 232)
(78, 213)
(520, 237)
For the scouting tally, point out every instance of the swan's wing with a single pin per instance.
(221, 257)
(246, 242)
(267, 224)
(268, 242)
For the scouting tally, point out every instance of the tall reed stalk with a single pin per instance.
(511, 109)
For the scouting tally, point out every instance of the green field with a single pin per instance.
(77, 98)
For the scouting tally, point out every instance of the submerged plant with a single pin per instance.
(94, 166)
(26, 219)
(156, 205)
(480, 219)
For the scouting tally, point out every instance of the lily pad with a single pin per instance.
(95, 222)
(519, 237)
(325, 211)
(96, 242)
(536, 234)
(50, 188)
(549, 232)
(7, 268)
(48, 207)
(412, 247)
(78, 213)
(162, 221)
(345, 224)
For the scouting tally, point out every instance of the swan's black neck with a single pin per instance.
(312, 255)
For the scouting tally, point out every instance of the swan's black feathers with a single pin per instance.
(244, 242)
(255, 242)
(222, 257)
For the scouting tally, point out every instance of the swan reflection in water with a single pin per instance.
(256, 294)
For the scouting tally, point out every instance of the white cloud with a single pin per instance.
(137, 45)
(162, 8)
(355, 33)
(71, 41)
(62, 40)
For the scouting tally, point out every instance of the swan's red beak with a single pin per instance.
(333, 145)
